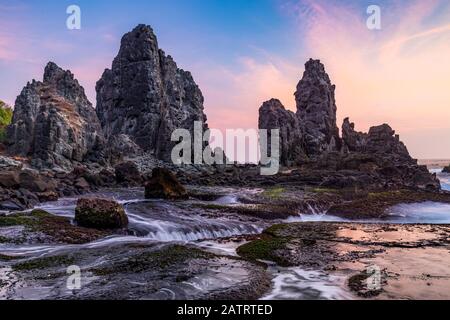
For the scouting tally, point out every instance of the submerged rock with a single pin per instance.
(169, 271)
(164, 185)
(41, 227)
(100, 214)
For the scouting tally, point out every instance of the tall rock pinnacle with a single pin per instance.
(146, 96)
(316, 109)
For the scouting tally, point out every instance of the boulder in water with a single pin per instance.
(164, 185)
(100, 214)
(446, 169)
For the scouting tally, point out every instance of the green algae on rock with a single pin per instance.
(55, 228)
(100, 214)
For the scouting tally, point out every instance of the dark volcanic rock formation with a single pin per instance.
(312, 130)
(146, 96)
(164, 185)
(316, 109)
(53, 123)
(352, 140)
(377, 157)
(273, 115)
(381, 151)
(380, 140)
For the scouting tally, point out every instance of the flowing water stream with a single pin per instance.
(159, 221)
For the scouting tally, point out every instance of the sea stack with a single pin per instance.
(145, 96)
(310, 137)
(316, 110)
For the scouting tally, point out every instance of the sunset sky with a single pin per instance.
(243, 52)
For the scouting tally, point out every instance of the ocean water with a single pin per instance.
(443, 177)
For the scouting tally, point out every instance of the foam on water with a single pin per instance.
(165, 221)
(426, 212)
(299, 284)
(317, 217)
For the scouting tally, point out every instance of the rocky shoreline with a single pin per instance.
(94, 188)
(120, 259)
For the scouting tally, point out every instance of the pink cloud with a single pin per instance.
(399, 75)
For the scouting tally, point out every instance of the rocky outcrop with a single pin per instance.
(100, 214)
(446, 169)
(316, 110)
(128, 173)
(164, 185)
(380, 140)
(24, 188)
(378, 157)
(352, 140)
(120, 146)
(146, 96)
(381, 156)
(312, 130)
(273, 115)
(54, 124)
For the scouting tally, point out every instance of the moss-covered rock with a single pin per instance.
(4, 257)
(164, 185)
(265, 249)
(358, 283)
(260, 211)
(57, 229)
(155, 260)
(100, 214)
(44, 263)
(374, 204)
(274, 193)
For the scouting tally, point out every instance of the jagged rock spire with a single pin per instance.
(273, 115)
(146, 96)
(54, 124)
(316, 109)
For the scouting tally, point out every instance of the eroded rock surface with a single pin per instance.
(310, 139)
(146, 96)
(273, 115)
(54, 124)
(316, 109)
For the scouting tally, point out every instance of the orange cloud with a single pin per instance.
(399, 75)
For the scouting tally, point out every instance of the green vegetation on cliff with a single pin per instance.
(5, 119)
